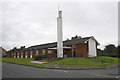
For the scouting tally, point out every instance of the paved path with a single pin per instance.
(20, 71)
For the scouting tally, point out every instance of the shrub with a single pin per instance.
(40, 57)
(4, 56)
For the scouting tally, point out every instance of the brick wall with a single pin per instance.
(51, 55)
(40, 51)
(81, 50)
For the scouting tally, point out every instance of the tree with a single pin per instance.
(15, 49)
(75, 37)
(22, 47)
(110, 50)
(118, 48)
(100, 52)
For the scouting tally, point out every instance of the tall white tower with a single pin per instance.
(59, 35)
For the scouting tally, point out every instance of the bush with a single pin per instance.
(4, 56)
(40, 57)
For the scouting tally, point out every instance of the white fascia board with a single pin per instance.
(93, 39)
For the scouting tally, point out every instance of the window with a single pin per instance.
(43, 52)
(49, 51)
(18, 55)
(26, 54)
(31, 54)
(14, 55)
(21, 54)
(36, 52)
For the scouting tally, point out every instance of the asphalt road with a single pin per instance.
(20, 71)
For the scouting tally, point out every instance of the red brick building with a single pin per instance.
(79, 47)
(2, 52)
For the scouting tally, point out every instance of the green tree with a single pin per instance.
(75, 37)
(110, 50)
(22, 48)
(14, 49)
(118, 48)
(100, 52)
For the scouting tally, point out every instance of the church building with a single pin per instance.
(78, 47)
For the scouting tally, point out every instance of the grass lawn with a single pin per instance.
(103, 61)
(106, 59)
(82, 61)
(19, 59)
(0, 59)
(24, 61)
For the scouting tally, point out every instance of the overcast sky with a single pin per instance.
(33, 23)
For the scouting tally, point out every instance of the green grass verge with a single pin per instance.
(19, 59)
(81, 61)
(24, 61)
(106, 59)
(78, 61)
(69, 61)
(0, 59)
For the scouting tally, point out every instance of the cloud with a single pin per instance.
(31, 23)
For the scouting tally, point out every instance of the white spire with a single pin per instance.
(59, 35)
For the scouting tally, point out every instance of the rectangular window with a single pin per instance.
(21, 54)
(14, 55)
(26, 54)
(43, 52)
(31, 52)
(36, 52)
(49, 51)
(18, 54)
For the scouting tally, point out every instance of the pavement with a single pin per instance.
(72, 67)
(19, 71)
(78, 67)
(38, 62)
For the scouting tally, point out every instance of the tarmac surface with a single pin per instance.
(20, 71)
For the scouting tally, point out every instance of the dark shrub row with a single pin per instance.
(40, 57)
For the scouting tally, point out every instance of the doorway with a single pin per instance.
(74, 53)
(65, 54)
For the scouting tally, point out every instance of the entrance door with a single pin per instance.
(74, 54)
(55, 53)
(65, 54)
(73, 50)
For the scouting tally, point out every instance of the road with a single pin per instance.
(20, 71)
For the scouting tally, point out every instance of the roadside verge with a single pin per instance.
(67, 67)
